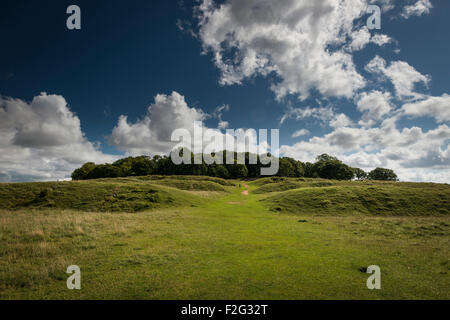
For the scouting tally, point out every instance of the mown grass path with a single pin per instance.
(231, 247)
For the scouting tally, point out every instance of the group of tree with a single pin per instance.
(326, 166)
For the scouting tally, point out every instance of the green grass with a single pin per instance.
(363, 199)
(109, 195)
(226, 246)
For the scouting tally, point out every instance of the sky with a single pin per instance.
(137, 70)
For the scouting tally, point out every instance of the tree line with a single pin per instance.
(326, 167)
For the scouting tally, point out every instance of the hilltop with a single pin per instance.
(284, 195)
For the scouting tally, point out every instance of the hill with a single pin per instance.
(110, 195)
(195, 237)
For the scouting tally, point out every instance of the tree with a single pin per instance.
(360, 174)
(286, 168)
(325, 157)
(222, 172)
(83, 172)
(333, 169)
(299, 170)
(142, 166)
(104, 171)
(237, 170)
(309, 169)
(382, 174)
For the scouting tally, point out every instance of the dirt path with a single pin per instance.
(245, 192)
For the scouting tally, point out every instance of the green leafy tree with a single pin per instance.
(325, 157)
(286, 169)
(237, 170)
(83, 172)
(105, 171)
(299, 170)
(222, 172)
(333, 169)
(382, 174)
(142, 166)
(309, 169)
(360, 174)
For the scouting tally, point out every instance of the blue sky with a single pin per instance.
(273, 73)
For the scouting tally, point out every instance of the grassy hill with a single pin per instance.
(112, 195)
(355, 198)
(184, 237)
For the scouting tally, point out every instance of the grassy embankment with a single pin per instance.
(201, 238)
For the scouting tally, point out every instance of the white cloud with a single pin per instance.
(42, 140)
(291, 39)
(322, 114)
(401, 74)
(360, 39)
(437, 107)
(300, 133)
(409, 151)
(218, 114)
(381, 39)
(340, 120)
(374, 106)
(223, 125)
(386, 5)
(152, 134)
(421, 7)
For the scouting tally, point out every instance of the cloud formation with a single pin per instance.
(403, 76)
(291, 39)
(42, 140)
(419, 8)
(411, 152)
(436, 107)
(299, 133)
(374, 105)
(152, 134)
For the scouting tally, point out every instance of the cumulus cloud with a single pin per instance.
(300, 133)
(291, 39)
(419, 8)
(374, 105)
(42, 140)
(362, 37)
(218, 114)
(322, 114)
(403, 76)
(381, 39)
(152, 134)
(386, 5)
(408, 151)
(436, 107)
(340, 120)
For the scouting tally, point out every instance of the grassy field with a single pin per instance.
(206, 238)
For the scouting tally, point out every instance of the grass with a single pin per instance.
(109, 195)
(229, 246)
(388, 200)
